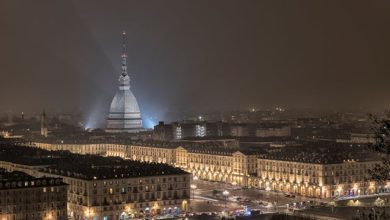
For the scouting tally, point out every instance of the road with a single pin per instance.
(208, 197)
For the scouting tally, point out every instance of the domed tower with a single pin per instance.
(124, 115)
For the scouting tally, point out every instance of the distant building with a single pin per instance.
(358, 138)
(164, 131)
(124, 115)
(363, 138)
(282, 131)
(189, 129)
(25, 197)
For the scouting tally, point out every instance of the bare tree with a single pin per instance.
(381, 128)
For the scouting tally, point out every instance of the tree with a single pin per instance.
(381, 172)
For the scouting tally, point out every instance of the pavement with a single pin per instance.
(209, 198)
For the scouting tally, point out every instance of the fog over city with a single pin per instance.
(194, 109)
(64, 56)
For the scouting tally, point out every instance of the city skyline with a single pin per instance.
(225, 109)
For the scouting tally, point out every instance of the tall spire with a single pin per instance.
(124, 54)
(44, 130)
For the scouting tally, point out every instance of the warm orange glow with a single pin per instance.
(89, 212)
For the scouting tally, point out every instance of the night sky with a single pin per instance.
(194, 55)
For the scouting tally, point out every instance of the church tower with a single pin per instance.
(124, 115)
(43, 124)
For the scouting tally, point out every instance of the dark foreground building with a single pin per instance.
(105, 188)
(25, 197)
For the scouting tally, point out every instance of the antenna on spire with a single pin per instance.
(124, 54)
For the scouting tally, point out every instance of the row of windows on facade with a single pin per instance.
(137, 189)
(32, 207)
(311, 173)
(44, 215)
(125, 190)
(140, 205)
(31, 198)
(37, 191)
(73, 182)
(29, 183)
(311, 166)
(142, 181)
(134, 198)
(327, 181)
(223, 162)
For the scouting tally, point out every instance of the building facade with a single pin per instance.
(348, 178)
(312, 178)
(25, 197)
(107, 188)
(182, 130)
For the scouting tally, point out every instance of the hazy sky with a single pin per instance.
(194, 55)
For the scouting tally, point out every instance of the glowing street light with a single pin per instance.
(193, 187)
(89, 213)
(225, 193)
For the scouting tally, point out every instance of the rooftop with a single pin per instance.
(321, 153)
(14, 176)
(91, 167)
(15, 179)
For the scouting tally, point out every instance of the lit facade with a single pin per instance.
(33, 198)
(315, 180)
(105, 188)
(321, 180)
(113, 199)
(125, 198)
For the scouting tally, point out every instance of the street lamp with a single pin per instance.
(89, 213)
(225, 193)
(193, 187)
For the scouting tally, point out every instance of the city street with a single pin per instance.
(209, 196)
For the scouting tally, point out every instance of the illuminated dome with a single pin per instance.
(124, 102)
(124, 115)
